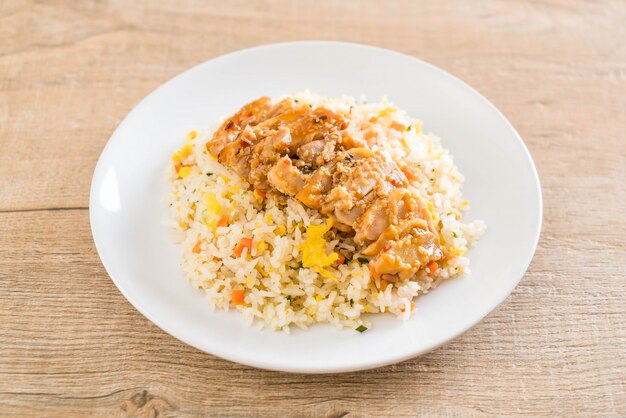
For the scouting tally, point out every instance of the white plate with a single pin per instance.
(127, 210)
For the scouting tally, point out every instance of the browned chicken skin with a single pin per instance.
(310, 155)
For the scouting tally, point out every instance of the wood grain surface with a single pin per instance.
(70, 344)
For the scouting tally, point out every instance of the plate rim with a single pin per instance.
(356, 366)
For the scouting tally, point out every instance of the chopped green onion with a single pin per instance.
(351, 303)
(209, 174)
(363, 260)
(409, 128)
(289, 298)
(361, 328)
(455, 235)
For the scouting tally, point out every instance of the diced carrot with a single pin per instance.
(409, 173)
(432, 267)
(398, 126)
(373, 271)
(261, 192)
(178, 166)
(341, 258)
(223, 221)
(196, 248)
(395, 181)
(412, 307)
(237, 297)
(244, 243)
(369, 135)
(383, 284)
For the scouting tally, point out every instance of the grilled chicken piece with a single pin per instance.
(249, 115)
(410, 241)
(314, 156)
(375, 220)
(305, 124)
(285, 177)
(317, 187)
(319, 152)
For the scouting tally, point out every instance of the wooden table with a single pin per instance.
(70, 344)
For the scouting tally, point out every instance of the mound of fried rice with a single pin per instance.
(245, 250)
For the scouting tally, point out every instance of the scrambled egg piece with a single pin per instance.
(433, 212)
(191, 136)
(314, 249)
(213, 208)
(184, 172)
(258, 197)
(182, 152)
(231, 191)
(387, 111)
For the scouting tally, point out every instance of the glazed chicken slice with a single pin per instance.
(314, 156)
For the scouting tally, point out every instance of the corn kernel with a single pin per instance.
(257, 196)
(387, 111)
(318, 298)
(280, 230)
(249, 282)
(191, 136)
(182, 153)
(269, 218)
(261, 246)
(184, 172)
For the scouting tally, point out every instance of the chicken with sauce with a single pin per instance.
(314, 156)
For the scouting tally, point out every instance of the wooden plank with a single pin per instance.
(69, 76)
(70, 343)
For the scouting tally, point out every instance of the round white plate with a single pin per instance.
(127, 209)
